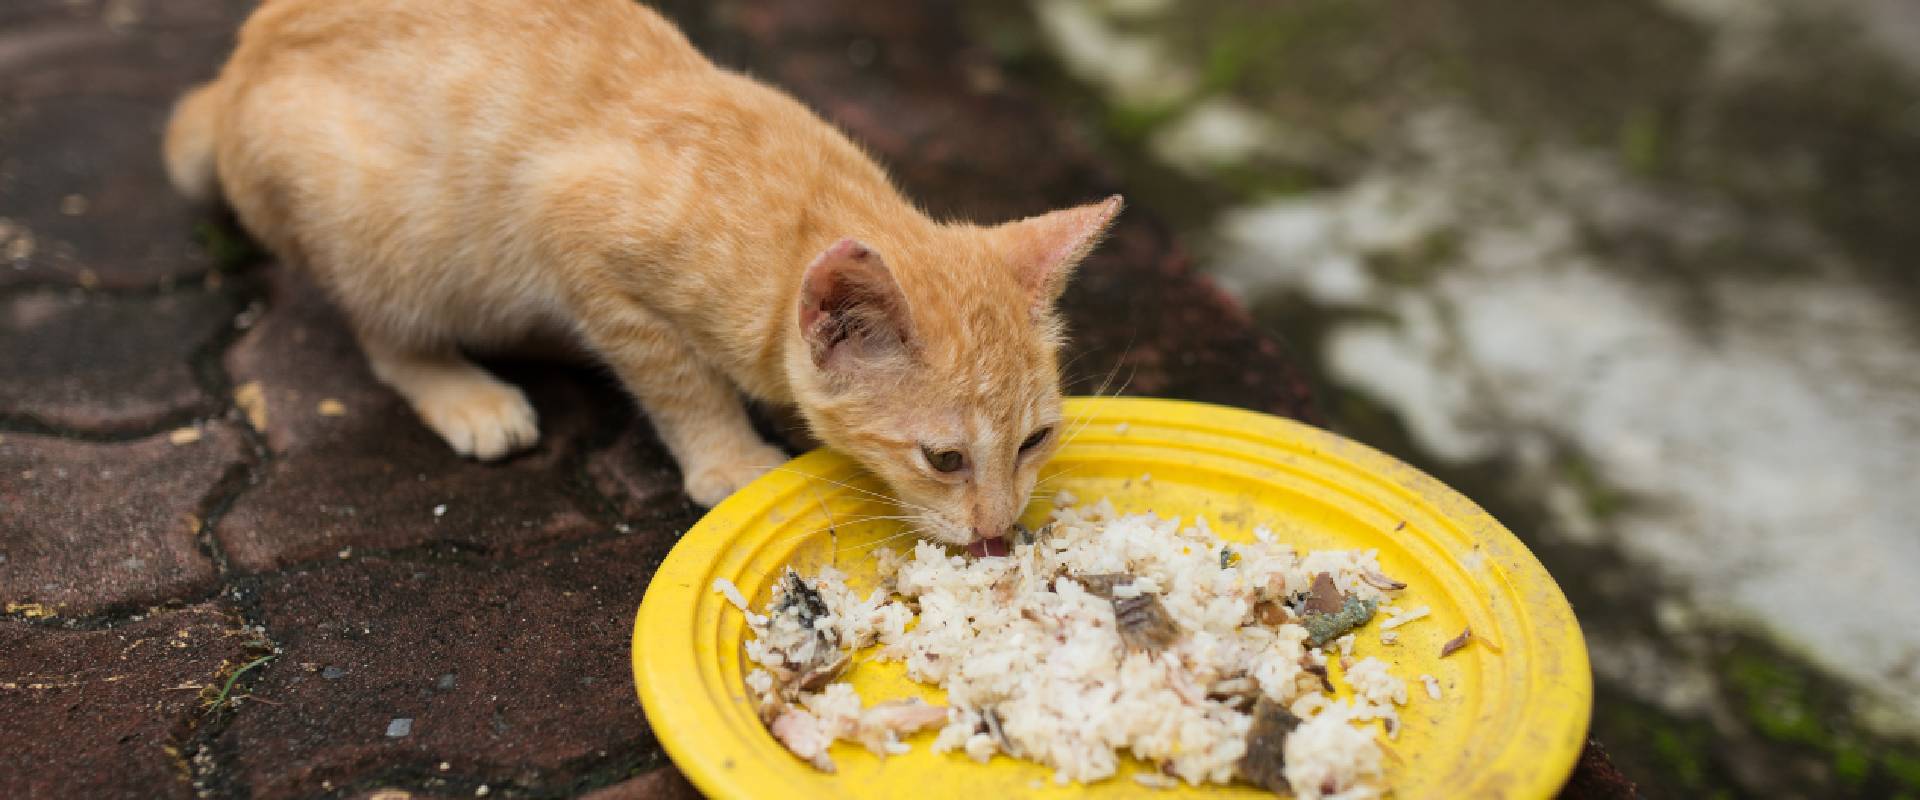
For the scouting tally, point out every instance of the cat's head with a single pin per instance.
(933, 362)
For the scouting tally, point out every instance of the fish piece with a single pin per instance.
(801, 733)
(1234, 692)
(1265, 762)
(805, 603)
(1144, 624)
(991, 722)
(1102, 584)
(904, 717)
(881, 726)
(1319, 671)
(821, 673)
(1380, 581)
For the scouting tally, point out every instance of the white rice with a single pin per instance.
(1034, 665)
(1433, 686)
(732, 593)
(1402, 618)
(1154, 780)
(1310, 768)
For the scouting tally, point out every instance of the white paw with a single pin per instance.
(711, 481)
(485, 420)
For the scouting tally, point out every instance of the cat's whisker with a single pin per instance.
(844, 523)
(850, 487)
(1080, 423)
(1054, 476)
(878, 542)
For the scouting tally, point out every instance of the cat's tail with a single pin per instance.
(190, 143)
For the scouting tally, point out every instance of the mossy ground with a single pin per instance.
(1630, 79)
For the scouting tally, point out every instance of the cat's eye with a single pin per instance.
(944, 460)
(1034, 440)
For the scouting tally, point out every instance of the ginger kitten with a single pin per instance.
(464, 176)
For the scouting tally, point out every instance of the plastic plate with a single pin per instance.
(1515, 703)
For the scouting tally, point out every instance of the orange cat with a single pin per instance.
(464, 176)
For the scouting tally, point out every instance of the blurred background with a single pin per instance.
(1637, 275)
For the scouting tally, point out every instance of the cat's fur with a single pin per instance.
(465, 175)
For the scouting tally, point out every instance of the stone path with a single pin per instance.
(234, 566)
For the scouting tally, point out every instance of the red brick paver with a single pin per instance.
(109, 713)
(87, 527)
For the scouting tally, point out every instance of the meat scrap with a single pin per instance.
(1457, 642)
(1267, 612)
(1324, 597)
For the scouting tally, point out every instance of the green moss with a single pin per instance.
(1417, 265)
(1603, 501)
(1680, 755)
(1640, 140)
(1904, 768)
(1661, 750)
(1228, 59)
(230, 248)
(1132, 125)
(1776, 701)
(1247, 43)
(1257, 182)
(1851, 763)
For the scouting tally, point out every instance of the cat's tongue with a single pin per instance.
(984, 548)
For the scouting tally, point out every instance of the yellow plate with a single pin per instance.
(1514, 707)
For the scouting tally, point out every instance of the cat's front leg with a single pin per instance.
(693, 407)
(476, 413)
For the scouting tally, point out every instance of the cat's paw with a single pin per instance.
(486, 420)
(712, 481)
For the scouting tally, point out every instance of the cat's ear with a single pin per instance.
(851, 310)
(1043, 250)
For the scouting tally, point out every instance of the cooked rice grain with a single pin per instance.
(1033, 662)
